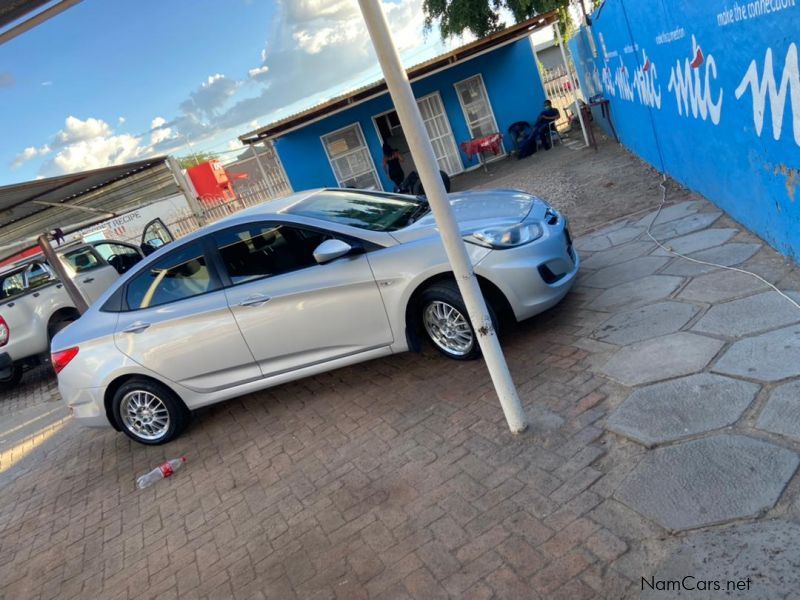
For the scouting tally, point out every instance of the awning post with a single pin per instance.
(55, 263)
(422, 152)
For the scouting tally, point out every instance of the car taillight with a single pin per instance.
(63, 358)
(4, 332)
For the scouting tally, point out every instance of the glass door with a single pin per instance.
(477, 110)
(438, 128)
(350, 159)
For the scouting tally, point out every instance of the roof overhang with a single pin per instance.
(12, 13)
(345, 101)
(77, 200)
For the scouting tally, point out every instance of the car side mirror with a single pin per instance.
(330, 250)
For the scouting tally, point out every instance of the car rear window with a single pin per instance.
(376, 212)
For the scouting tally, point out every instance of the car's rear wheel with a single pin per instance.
(10, 377)
(444, 318)
(149, 412)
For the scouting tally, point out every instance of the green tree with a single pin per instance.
(481, 17)
(194, 159)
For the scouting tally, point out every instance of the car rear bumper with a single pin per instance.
(536, 276)
(86, 406)
(5, 361)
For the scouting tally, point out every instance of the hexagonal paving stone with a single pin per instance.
(768, 357)
(671, 213)
(727, 255)
(782, 413)
(682, 407)
(749, 315)
(646, 289)
(619, 254)
(720, 286)
(685, 225)
(766, 551)
(661, 358)
(627, 271)
(697, 241)
(626, 234)
(653, 320)
(708, 481)
(593, 243)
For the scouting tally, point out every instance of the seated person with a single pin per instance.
(546, 118)
(541, 130)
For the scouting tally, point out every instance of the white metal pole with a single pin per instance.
(571, 82)
(422, 153)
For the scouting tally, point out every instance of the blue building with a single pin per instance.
(468, 93)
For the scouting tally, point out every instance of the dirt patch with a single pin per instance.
(591, 187)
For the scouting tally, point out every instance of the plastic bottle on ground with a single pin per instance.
(161, 471)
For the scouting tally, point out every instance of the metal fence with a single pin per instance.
(257, 176)
(559, 90)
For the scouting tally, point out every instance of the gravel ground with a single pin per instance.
(612, 181)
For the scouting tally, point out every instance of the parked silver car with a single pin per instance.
(306, 284)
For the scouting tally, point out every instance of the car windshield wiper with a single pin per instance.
(419, 211)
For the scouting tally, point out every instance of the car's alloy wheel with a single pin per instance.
(444, 319)
(144, 414)
(448, 328)
(149, 412)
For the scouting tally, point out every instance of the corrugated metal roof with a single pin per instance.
(115, 189)
(369, 91)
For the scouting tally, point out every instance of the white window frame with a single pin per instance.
(491, 113)
(456, 156)
(365, 147)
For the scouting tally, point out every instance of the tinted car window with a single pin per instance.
(177, 276)
(383, 212)
(266, 249)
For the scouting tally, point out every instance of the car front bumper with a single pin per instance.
(535, 276)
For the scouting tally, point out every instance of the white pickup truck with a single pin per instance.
(34, 305)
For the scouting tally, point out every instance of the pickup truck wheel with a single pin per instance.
(10, 377)
(149, 412)
(54, 328)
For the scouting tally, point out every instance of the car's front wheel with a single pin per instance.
(149, 412)
(446, 323)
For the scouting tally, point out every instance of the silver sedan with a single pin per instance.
(306, 284)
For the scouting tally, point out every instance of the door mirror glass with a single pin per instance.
(330, 250)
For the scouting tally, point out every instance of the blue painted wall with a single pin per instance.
(708, 92)
(512, 83)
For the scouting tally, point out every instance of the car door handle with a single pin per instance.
(88, 280)
(137, 327)
(255, 301)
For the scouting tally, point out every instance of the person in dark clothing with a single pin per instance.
(541, 129)
(391, 164)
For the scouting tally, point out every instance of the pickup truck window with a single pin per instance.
(82, 260)
(12, 285)
(38, 275)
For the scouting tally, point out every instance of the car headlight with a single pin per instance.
(506, 236)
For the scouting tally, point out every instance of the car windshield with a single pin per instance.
(376, 212)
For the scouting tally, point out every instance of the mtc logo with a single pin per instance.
(693, 91)
(767, 88)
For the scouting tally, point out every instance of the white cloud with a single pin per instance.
(120, 120)
(47, 83)
(29, 153)
(76, 130)
(258, 72)
(234, 145)
(211, 96)
(159, 133)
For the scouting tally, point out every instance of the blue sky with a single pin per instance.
(108, 82)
